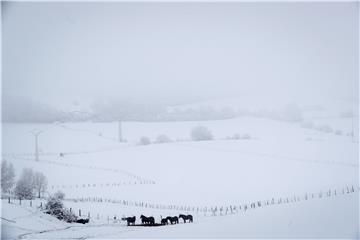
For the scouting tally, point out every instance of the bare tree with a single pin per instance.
(40, 183)
(7, 176)
(25, 186)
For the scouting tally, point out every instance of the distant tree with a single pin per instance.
(59, 194)
(324, 128)
(338, 132)
(7, 176)
(236, 136)
(25, 185)
(246, 136)
(201, 133)
(162, 138)
(144, 141)
(40, 183)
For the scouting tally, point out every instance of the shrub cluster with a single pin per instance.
(55, 207)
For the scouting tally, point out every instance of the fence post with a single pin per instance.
(9, 200)
(30, 203)
(79, 212)
(20, 201)
(70, 210)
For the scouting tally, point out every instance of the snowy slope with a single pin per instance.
(306, 219)
(279, 160)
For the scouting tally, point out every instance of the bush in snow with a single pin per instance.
(54, 206)
(7, 176)
(144, 141)
(338, 132)
(162, 138)
(236, 136)
(201, 133)
(24, 186)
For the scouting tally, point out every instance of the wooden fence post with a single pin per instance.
(9, 200)
(79, 212)
(30, 203)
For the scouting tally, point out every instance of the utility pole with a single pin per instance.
(36, 135)
(120, 132)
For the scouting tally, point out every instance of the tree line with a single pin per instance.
(29, 185)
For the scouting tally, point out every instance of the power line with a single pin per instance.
(36, 134)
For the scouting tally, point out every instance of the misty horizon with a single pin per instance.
(76, 54)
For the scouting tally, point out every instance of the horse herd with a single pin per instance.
(150, 221)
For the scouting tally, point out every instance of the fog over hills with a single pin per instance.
(95, 58)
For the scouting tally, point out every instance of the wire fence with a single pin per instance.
(137, 178)
(96, 185)
(220, 210)
(205, 211)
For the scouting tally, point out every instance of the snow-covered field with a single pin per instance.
(280, 160)
(320, 218)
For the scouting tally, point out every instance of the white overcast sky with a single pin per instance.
(65, 51)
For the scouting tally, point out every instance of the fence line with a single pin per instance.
(65, 164)
(115, 184)
(206, 211)
(220, 210)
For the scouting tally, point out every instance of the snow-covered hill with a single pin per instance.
(306, 219)
(277, 160)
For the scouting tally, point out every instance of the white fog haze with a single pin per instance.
(242, 115)
(74, 55)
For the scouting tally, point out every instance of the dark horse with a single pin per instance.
(173, 220)
(186, 217)
(83, 221)
(129, 220)
(164, 221)
(147, 220)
